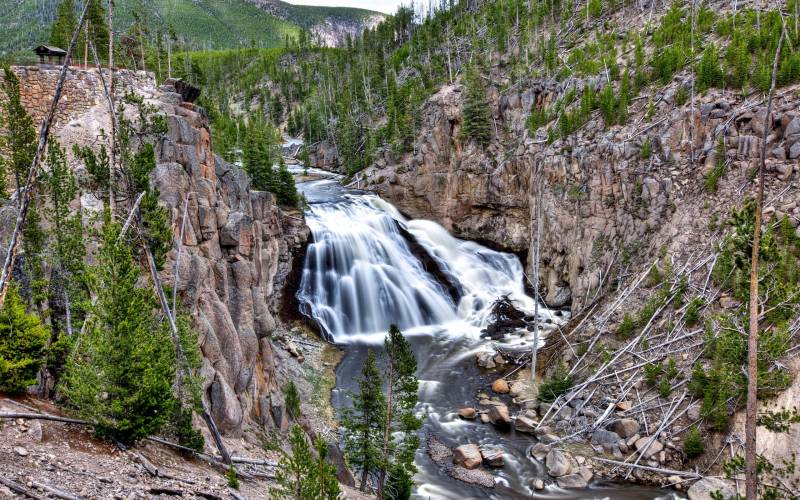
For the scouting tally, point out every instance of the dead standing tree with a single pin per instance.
(751, 477)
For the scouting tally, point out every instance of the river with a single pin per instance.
(363, 271)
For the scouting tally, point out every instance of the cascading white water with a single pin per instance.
(360, 273)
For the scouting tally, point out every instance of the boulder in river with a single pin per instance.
(540, 450)
(485, 360)
(493, 457)
(467, 413)
(525, 424)
(467, 456)
(498, 415)
(558, 463)
(575, 480)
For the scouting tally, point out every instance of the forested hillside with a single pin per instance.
(194, 24)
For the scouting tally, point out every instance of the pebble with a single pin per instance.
(538, 484)
(19, 450)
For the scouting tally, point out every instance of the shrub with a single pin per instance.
(292, 398)
(627, 327)
(693, 311)
(664, 388)
(681, 95)
(23, 345)
(233, 479)
(651, 372)
(558, 383)
(647, 149)
(693, 445)
(709, 71)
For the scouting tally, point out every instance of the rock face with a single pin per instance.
(237, 253)
(702, 489)
(238, 249)
(598, 193)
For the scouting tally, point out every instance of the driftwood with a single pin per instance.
(668, 472)
(45, 416)
(18, 488)
(64, 495)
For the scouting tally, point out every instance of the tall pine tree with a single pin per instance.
(477, 121)
(364, 422)
(120, 375)
(400, 440)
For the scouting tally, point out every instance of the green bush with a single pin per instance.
(647, 149)
(233, 479)
(292, 398)
(23, 344)
(693, 311)
(709, 71)
(651, 372)
(626, 328)
(558, 383)
(693, 446)
(664, 388)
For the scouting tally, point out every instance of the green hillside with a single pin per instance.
(198, 24)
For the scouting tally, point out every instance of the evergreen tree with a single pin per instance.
(121, 373)
(400, 440)
(477, 121)
(304, 475)
(97, 20)
(18, 143)
(285, 190)
(64, 25)
(709, 72)
(68, 250)
(23, 344)
(364, 422)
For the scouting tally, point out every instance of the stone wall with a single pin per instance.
(83, 90)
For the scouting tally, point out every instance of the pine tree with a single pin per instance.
(18, 143)
(303, 476)
(285, 190)
(400, 440)
(68, 250)
(121, 373)
(476, 111)
(98, 27)
(23, 344)
(364, 422)
(64, 25)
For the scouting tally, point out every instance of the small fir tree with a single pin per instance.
(303, 474)
(23, 344)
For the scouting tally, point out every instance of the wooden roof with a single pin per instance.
(49, 50)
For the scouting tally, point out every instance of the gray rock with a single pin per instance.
(575, 480)
(651, 449)
(540, 450)
(625, 427)
(702, 489)
(602, 437)
(493, 457)
(558, 463)
(525, 424)
(19, 450)
(792, 132)
(794, 151)
(499, 416)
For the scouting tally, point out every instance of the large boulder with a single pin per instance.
(467, 456)
(467, 413)
(558, 463)
(500, 386)
(602, 437)
(499, 416)
(493, 457)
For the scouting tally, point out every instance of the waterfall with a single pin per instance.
(361, 275)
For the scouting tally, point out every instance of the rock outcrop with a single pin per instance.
(238, 250)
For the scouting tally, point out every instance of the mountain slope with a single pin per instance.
(199, 24)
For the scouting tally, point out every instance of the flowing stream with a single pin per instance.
(368, 267)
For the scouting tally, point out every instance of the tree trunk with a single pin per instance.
(751, 477)
(386, 427)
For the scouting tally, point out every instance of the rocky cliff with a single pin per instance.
(604, 199)
(238, 249)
